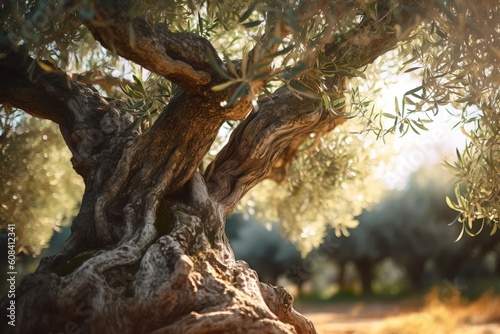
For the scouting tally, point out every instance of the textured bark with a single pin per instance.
(147, 252)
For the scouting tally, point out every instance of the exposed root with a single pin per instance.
(232, 321)
(280, 302)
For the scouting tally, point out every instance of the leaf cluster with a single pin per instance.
(455, 57)
(147, 98)
(477, 168)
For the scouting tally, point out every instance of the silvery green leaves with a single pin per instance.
(147, 98)
(284, 52)
(477, 169)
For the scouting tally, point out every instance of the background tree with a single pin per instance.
(265, 250)
(149, 237)
(410, 226)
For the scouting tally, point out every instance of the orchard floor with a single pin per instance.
(406, 317)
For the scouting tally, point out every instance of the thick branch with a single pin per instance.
(87, 121)
(357, 48)
(95, 130)
(258, 142)
(37, 92)
(271, 137)
(179, 57)
(279, 170)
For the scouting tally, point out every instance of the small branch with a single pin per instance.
(372, 38)
(97, 77)
(261, 53)
(280, 302)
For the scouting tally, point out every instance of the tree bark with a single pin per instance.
(147, 252)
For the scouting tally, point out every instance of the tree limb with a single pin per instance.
(375, 36)
(257, 143)
(179, 57)
(96, 130)
(86, 120)
(271, 137)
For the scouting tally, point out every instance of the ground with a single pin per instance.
(405, 317)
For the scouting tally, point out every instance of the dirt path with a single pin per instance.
(367, 318)
(344, 318)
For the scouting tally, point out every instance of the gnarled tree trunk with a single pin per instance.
(147, 252)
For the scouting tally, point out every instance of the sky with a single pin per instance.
(430, 147)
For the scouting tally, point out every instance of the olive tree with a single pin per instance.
(147, 251)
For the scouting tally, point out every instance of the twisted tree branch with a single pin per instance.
(96, 131)
(258, 142)
(91, 126)
(266, 142)
(374, 36)
(179, 57)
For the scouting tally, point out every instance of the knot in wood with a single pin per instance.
(284, 297)
(110, 123)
